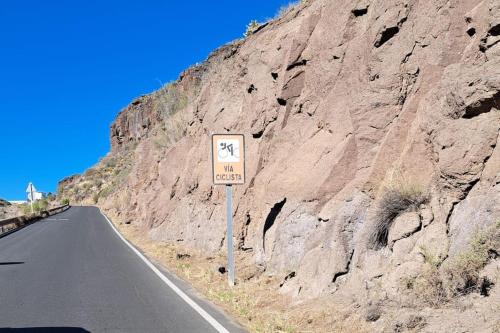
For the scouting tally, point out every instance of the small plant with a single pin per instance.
(400, 195)
(460, 275)
(430, 258)
(462, 271)
(65, 201)
(95, 198)
(25, 208)
(105, 192)
(285, 9)
(42, 204)
(429, 285)
(251, 27)
(98, 183)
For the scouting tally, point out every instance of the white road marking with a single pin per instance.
(211, 320)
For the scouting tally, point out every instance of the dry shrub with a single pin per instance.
(251, 28)
(170, 102)
(174, 129)
(399, 195)
(462, 272)
(460, 275)
(286, 8)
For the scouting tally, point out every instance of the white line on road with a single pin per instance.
(211, 320)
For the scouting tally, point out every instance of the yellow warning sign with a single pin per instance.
(228, 159)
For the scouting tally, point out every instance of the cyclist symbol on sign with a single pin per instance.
(228, 150)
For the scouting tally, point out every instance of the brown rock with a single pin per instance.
(403, 226)
(343, 94)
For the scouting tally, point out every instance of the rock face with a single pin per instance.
(334, 99)
(7, 210)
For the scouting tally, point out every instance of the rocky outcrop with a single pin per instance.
(7, 210)
(334, 98)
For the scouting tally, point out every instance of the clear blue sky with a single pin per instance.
(68, 66)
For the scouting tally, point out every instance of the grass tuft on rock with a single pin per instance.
(399, 196)
(460, 275)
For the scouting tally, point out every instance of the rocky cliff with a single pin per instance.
(371, 141)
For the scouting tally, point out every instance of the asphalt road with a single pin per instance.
(72, 273)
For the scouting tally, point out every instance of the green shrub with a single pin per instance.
(65, 201)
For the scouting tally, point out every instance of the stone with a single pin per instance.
(426, 216)
(373, 313)
(403, 226)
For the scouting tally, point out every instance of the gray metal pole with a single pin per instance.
(229, 234)
(31, 197)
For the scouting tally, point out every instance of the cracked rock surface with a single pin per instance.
(333, 97)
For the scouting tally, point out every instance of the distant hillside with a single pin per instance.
(4, 203)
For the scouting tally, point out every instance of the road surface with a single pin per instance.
(72, 273)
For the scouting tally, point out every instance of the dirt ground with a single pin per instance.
(254, 302)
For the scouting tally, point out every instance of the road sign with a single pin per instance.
(31, 190)
(228, 168)
(228, 159)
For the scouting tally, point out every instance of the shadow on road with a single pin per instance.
(45, 330)
(11, 263)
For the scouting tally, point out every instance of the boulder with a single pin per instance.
(403, 226)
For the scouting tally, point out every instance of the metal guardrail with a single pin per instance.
(19, 222)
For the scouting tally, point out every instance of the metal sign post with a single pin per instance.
(228, 168)
(229, 234)
(31, 196)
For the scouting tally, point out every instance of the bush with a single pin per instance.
(65, 201)
(170, 100)
(25, 208)
(95, 198)
(285, 9)
(440, 282)
(462, 272)
(175, 128)
(399, 197)
(251, 27)
(98, 183)
(41, 205)
(105, 192)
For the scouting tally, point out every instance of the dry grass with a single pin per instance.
(286, 8)
(170, 103)
(399, 195)
(462, 272)
(252, 26)
(440, 282)
(255, 303)
(174, 128)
